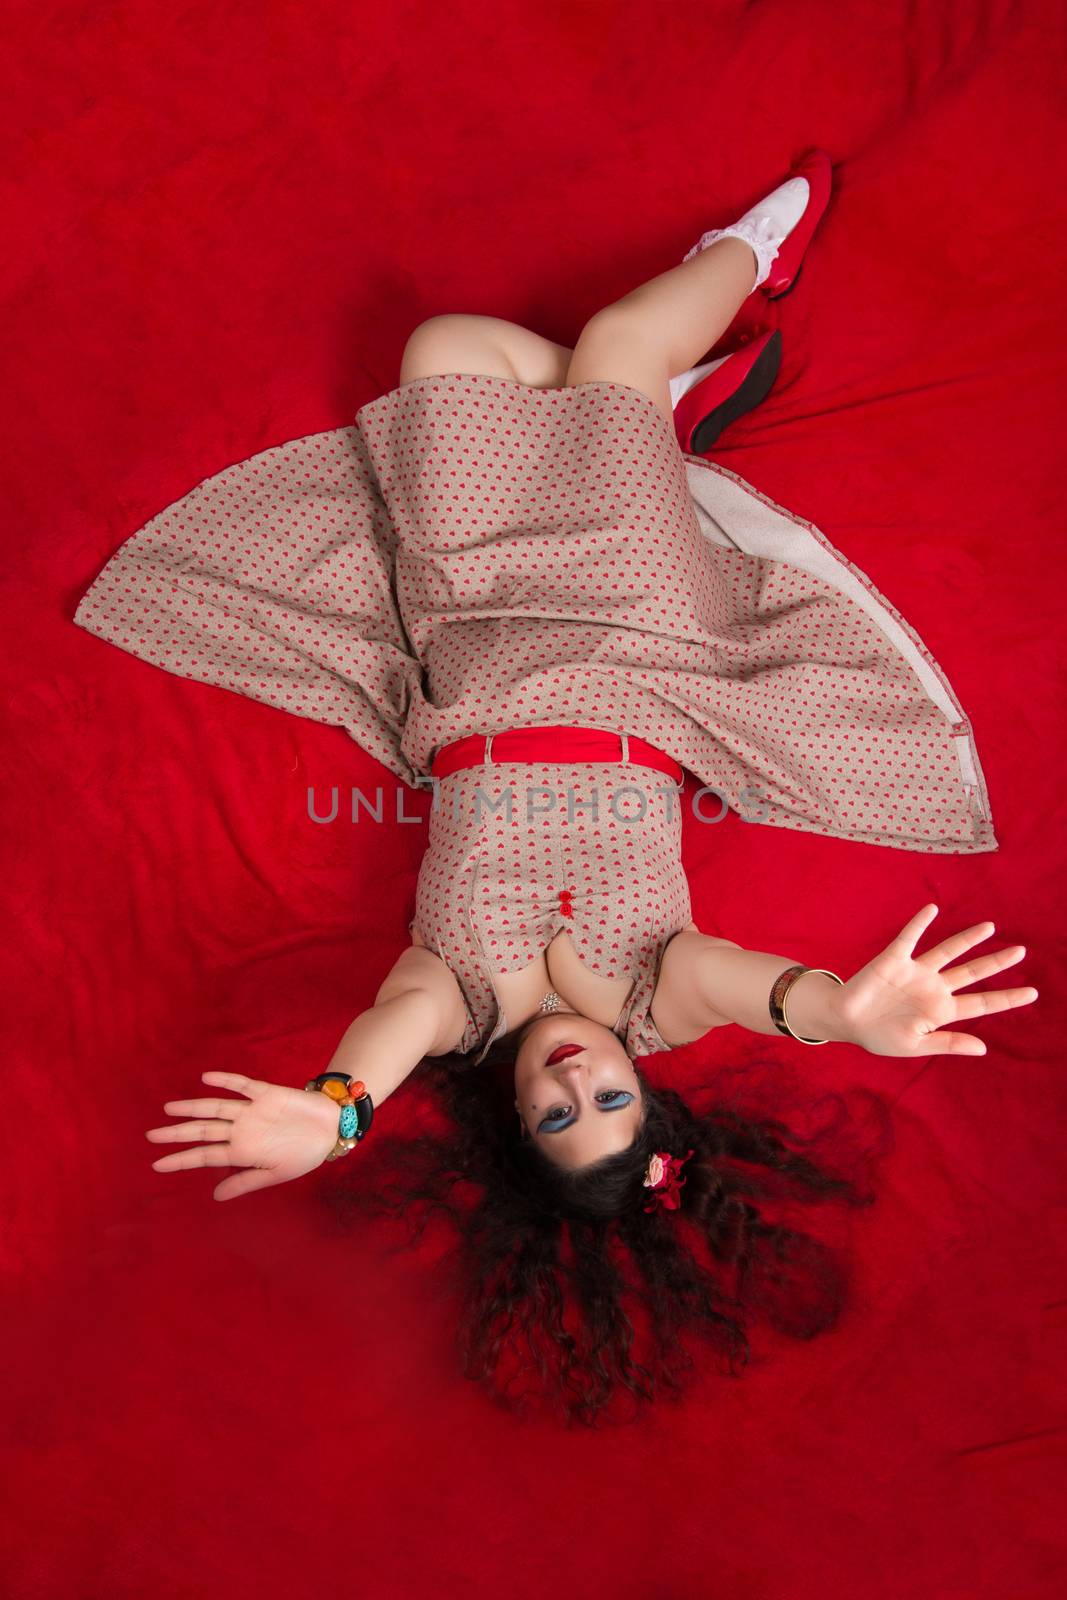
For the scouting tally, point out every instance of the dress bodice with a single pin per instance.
(518, 850)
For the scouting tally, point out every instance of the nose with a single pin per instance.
(568, 1069)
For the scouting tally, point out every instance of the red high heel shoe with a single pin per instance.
(817, 168)
(737, 383)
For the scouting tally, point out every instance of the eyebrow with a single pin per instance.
(561, 1127)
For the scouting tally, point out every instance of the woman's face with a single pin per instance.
(584, 1106)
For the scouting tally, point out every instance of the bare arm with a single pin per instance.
(418, 1011)
(275, 1132)
(707, 982)
(897, 1004)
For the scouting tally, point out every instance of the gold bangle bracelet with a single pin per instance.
(780, 989)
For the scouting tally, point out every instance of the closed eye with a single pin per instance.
(613, 1100)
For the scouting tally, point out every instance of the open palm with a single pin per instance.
(275, 1133)
(900, 1004)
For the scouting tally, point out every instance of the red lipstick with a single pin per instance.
(561, 1052)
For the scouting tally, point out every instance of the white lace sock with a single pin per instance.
(765, 226)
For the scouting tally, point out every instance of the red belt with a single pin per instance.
(553, 743)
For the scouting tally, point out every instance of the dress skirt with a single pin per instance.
(475, 554)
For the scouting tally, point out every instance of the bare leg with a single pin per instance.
(488, 346)
(663, 327)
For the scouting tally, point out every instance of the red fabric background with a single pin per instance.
(227, 222)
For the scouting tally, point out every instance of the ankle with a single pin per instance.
(756, 265)
(737, 244)
(758, 245)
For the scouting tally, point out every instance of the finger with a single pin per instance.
(203, 1108)
(946, 1043)
(244, 1182)
(952, 947)
(205, 1155)
(252, 1087)
(191, 1130)
(912, 931)
(983, 1005)
(983, 966)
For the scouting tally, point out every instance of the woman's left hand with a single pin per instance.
(899, 1003)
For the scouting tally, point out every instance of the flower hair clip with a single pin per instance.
(662, 1178)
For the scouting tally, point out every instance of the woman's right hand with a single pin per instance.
(275, 1133)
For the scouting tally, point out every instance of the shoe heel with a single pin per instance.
(789, 287)
(698, 424)
(817, 168)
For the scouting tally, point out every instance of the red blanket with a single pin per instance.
(228, 222)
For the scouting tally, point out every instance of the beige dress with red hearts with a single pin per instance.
(474, 554)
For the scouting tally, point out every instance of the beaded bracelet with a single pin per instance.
(781, 987)
(356, 1105)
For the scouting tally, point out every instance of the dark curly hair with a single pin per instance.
(529, 1229)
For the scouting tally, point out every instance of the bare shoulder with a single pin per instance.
(418, 968)
(678, 1010)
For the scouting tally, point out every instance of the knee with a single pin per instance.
(434, 332)
(430, 348)
(611, 329)
(455, 341)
